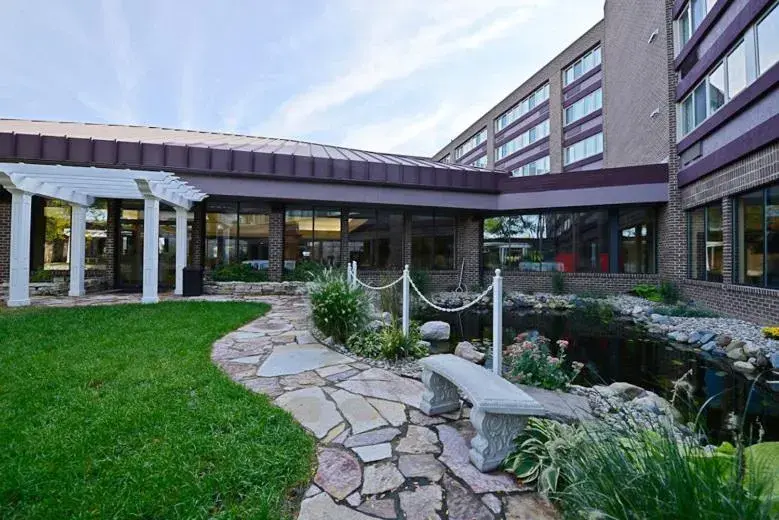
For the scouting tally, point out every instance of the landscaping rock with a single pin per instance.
(708, 346)
(322, 507)
(723, 340)
(312, 409)
(360, 414)
(426, 345)
(421, 465)
(694, 338)
(418, 439)
(762, 362)
(394, 413)
(774, 359)
(492, 502)
(467, 351)
(750, 349)
(462, 504)
(653, 403)
(736, 354)
(719, 352)
(435, 331)
(374, 437)
(744, 366)
(383, 508)
(679, 336)
(338, 473)
(374, 452)
(660, 319)
(375, 325)
(422, 503)
(421, 419)
(707, 336)
(532, 506)
(380, 478)
(386, 317)
(626, 391)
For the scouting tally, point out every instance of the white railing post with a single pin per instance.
(497, 324)
(354, 272)
(349, 274)
(406, 301)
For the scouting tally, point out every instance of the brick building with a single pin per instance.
(646, 150)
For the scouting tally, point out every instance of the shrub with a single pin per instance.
(238, 272)
(304, 271)
(669, 292)
(649, 473)
(421, 280)
(685, 311)
(539, 451)
(558, 283)
(771, 332)
(388, 343)
(338, 310)
(531, 362)
(41, 275)
(646, 291)
(390, 300)
(597, 311)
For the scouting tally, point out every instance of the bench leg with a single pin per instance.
(440, 395)
(494, 439)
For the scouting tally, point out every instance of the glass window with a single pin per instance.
(582, 66)
(588, 147)
(592, 242)
(737, 69)
(471, 143)
(221, 233)
(313, 235)
(326, 244)
(699, 95)
(717, 88)
(750, 238)
(56, 255)
(684, 27)
(432, 241)
(97, 227)
(772, 237)
(523, 140)
(521, 108)
(637, 240)
(768, 40)
(706, 243)
(481, 162)
(557, 245)
(537, 167)
(513, 242)
(585, 106)
(376, 238)
(253, 234)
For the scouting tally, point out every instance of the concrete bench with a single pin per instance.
(500, 409)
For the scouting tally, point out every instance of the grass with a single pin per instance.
(118, 412)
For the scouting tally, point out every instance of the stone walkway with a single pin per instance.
(378, 455)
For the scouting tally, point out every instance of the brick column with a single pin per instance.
(276, 244)
(727, 239)
(556, 123)
(406, 239)
(344, 236)
(467, 248)
(197, 258)
(113, 237)
(5, 235)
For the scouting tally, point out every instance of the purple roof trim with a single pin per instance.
(653, 193)
(622, 176)
(582, 93)
(760, 87)
(729, 36)
(581, 79)
(583, 135)
(756, 138)
(708, 22)
(584, 162)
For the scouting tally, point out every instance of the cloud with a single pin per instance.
(395, 40)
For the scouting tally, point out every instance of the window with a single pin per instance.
(757, 238)
(522, 108)
(513, 242)
(376, 238)
(312, 234)
(253, 231)
(56, 250)
(587, 105)
(768, 40)
(704, 227)
(432, 241)
(97, 227)
(593, 145)
(582, 66)
(737, 69)
(690, 19)
(446, 159)
(523, 140)
(637, 240)
(717, 92)
(236, 232)
(537, 167)
(481, 162)
(470, 144)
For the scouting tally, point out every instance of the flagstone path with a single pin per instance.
(378, 455)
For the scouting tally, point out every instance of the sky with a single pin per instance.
(402, 76)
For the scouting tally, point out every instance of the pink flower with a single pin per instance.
(552, 360)
(562, 343)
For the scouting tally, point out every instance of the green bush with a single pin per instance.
(647, 291)
(304, 271)
(649, 473)
(388, 343)
(530, 362)
(558, 283)
(421, 279)
(597, 311)
(238, 272)
(539, 451)
(338, 310)
(685, 311)
(669, 292)
(41, 275)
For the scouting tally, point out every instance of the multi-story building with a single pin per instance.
(647, 150)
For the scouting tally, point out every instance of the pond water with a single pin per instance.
(617, 350)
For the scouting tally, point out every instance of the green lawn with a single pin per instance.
(117, 412)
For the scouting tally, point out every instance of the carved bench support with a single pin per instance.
(494, 439)
(440, 395)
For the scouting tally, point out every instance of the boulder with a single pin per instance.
(424, 344)
(707, 336)
(750, 349)
(762, 362)
(637, 310)
(723, 340)
(735, 344)
(774, 359)
(744, 366)
(651, 402)
(375, 325)
(709, 346)
(694, 338)
(719, 351)
(435, 331)
(660, 319)
(737, 354)
(679, 336)
(467, 351)
(386, 317)
(626, 391)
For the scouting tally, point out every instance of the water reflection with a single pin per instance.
(618, 351)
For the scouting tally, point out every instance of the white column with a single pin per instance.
(21, 214)
(181, 249)
(406, 301)
(78, 244)
(497, 324)
(151, 256)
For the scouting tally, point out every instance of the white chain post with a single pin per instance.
(406, 301)
(497, 324)
(349, 274)
(354, 272)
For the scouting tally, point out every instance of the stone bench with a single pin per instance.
(500, 409)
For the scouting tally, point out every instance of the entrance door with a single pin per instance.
(131, 246)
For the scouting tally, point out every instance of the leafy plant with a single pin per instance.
(558, 283)
(530, 362)
(238, 272)
(338, 310)
(539, 451)
(685, 311)
(771, 332)
(390, 300)
(647, 291)
(41, 275)
(596, 311)
(304, 271)
(421, 279)
(388, 343)
(669, 292)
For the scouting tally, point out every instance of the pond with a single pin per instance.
(617, 350)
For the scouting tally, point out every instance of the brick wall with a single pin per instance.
(748, 303)
(468, 245)
(276, 244)
(577, 283)
(113, 236)
(198, 234)
(5, 235)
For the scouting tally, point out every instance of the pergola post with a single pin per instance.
(181, 249)
(78, 231)
(151, 233)
(21, 216)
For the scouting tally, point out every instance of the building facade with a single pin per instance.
(646, 151)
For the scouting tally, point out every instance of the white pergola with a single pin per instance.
(80, 186)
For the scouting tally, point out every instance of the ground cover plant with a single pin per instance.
(339, 310)
(238, 272)
(389, 343)
(118, 412)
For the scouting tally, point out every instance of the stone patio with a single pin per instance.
(378, 455)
